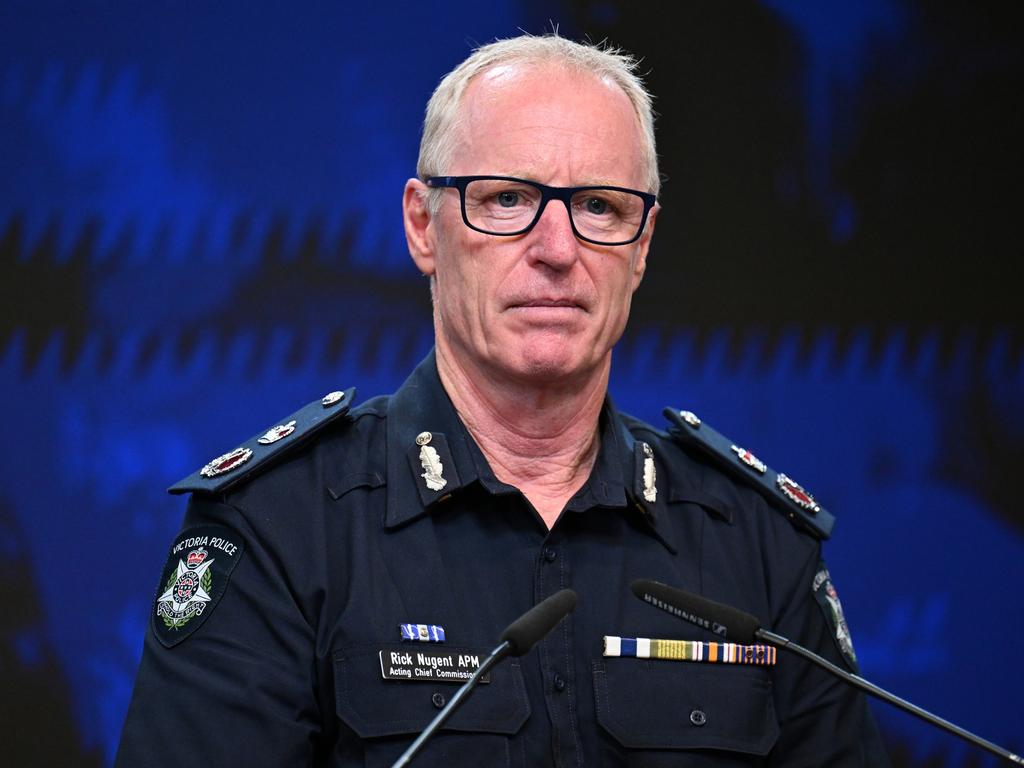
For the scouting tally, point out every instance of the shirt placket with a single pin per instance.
(553, 572)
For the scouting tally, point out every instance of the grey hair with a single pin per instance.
(606, 63)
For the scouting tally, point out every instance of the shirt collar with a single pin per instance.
(431, 455)
(421, 409)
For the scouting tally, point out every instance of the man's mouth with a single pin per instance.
(550, 303)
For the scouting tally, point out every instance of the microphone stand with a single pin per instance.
(859, 682)
(518, 638)
(497, 655)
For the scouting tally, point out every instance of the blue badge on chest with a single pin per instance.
(425, 633)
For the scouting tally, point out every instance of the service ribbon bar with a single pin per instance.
(426, 633)
(689, 650)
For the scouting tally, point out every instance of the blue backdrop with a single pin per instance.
(200, 231)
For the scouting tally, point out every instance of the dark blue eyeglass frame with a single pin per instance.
(547, 194)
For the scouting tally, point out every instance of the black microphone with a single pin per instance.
(742, 627)
(522, 633)
(518, 638)
(732, 624)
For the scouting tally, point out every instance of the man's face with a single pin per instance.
(543, 306)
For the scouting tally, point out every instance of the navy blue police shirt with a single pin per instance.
(289, 649)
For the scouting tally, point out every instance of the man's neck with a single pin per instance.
(540, 437)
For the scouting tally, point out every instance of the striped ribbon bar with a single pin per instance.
(689, 650)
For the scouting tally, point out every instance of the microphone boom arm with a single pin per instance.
(497, 655)
(868, 687)
(518, 638)
(733, 623)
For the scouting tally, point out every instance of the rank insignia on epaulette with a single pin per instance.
(279, 432)
(749, 459)
(424, 633)
(786, 494)
(257, 453)
(332, 398)
(796, 492)
(690, 418)
(226, 462)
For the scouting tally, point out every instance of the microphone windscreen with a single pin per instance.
(731, 624)
(522, 633)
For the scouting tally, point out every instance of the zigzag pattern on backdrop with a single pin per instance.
(108, 131)
(251, 289)
(864, 354)
(104, 241)
(243, 238)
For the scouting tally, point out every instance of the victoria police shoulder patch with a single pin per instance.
(194, 580)
(827, 597)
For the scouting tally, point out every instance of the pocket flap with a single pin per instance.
(648, 704)
(372, 706)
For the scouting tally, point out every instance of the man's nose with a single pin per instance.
(556, 243)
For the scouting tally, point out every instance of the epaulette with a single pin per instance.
(783, 492)
(257, 453)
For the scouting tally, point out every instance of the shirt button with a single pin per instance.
(698, 718)
(559, 682)
(550, 554)
(438, 700)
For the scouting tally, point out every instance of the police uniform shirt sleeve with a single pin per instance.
(238, 687)
(823, 721)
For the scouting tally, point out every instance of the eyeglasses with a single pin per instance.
(506, 206)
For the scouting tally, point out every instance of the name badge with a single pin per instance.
(431, 666)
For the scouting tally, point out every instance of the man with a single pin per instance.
(338, 577)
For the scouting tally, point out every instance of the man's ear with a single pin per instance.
(643, 246)
(418, 232)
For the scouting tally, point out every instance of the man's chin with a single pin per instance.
(549, 364)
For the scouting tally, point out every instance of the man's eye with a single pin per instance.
(508, 198)
(597, 206)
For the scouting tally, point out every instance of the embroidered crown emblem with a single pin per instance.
(196, 557)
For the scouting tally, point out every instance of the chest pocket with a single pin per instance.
(388, 714)
(664, 707)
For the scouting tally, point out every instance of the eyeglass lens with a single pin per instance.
(502, 207)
